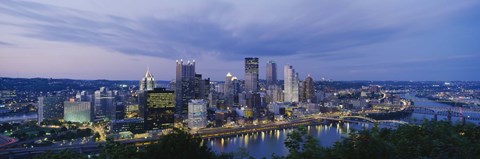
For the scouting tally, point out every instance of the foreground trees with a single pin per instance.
(430, 140)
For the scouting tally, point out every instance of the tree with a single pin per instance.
(115, 150)
(41, 133)
(301, 145)
(96, 136)
(64, 154)
(179, 145)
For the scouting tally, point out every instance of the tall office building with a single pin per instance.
(197, 114)
(251, 74)
(275, 93)
(185, 85)
(290, 84)
(159, 110)
(308, 91)
(228, 86)
(50, 108)
(76, 111)
(147, 83)
(202, 87)
(271, 73)
(104, 104)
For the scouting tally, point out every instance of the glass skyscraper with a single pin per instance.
(251, 74)
(159, 111)
(271, 73)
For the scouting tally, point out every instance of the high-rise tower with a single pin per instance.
(159, 110)
(185, 85)
(308, 91)
(50, 107)
(290, 84)
(251, 74)
(271, 73)
(147, 83)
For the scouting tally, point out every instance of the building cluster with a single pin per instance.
(191, 101)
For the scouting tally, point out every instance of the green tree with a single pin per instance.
(115, 150)
(64, 154)
(301, 145)
(179, 145)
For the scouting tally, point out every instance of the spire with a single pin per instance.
(148, 74)
(229, 74)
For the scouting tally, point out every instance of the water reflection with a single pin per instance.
(263, 144)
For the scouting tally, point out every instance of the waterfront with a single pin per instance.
(264, 144)
(18, 117)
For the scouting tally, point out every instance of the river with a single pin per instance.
(18, 117)
(264, 144)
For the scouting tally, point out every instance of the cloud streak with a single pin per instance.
(189, 35)
(342, 34)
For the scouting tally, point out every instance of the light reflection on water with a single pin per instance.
(327, 134)
(264, 144)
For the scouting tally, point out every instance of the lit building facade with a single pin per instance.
(159, 110)
(77, 111)
(197, 114)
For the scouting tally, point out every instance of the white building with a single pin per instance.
(291, 84)
(197, 114)
(77, 111)
(147, 83)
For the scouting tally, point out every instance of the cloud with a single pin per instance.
(189, 35)
(337, 34)
(5, 43)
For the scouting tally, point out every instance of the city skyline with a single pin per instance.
(371, 40)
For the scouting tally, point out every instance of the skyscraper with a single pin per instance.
(104, 104)
(229, 89)
(50, 108)
(308, 91)
(290, 84)
(228, 86)
(251, 74)
(271, 73)
(185, 85)
(159, 110)
(197, 114)
(147, 83)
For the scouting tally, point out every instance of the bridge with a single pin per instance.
(348, 118)
(470, 114)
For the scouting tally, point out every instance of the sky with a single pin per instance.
(334, 39)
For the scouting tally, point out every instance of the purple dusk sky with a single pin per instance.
(341, 40)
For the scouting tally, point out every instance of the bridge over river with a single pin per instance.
(313, 120)
(467, 113)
